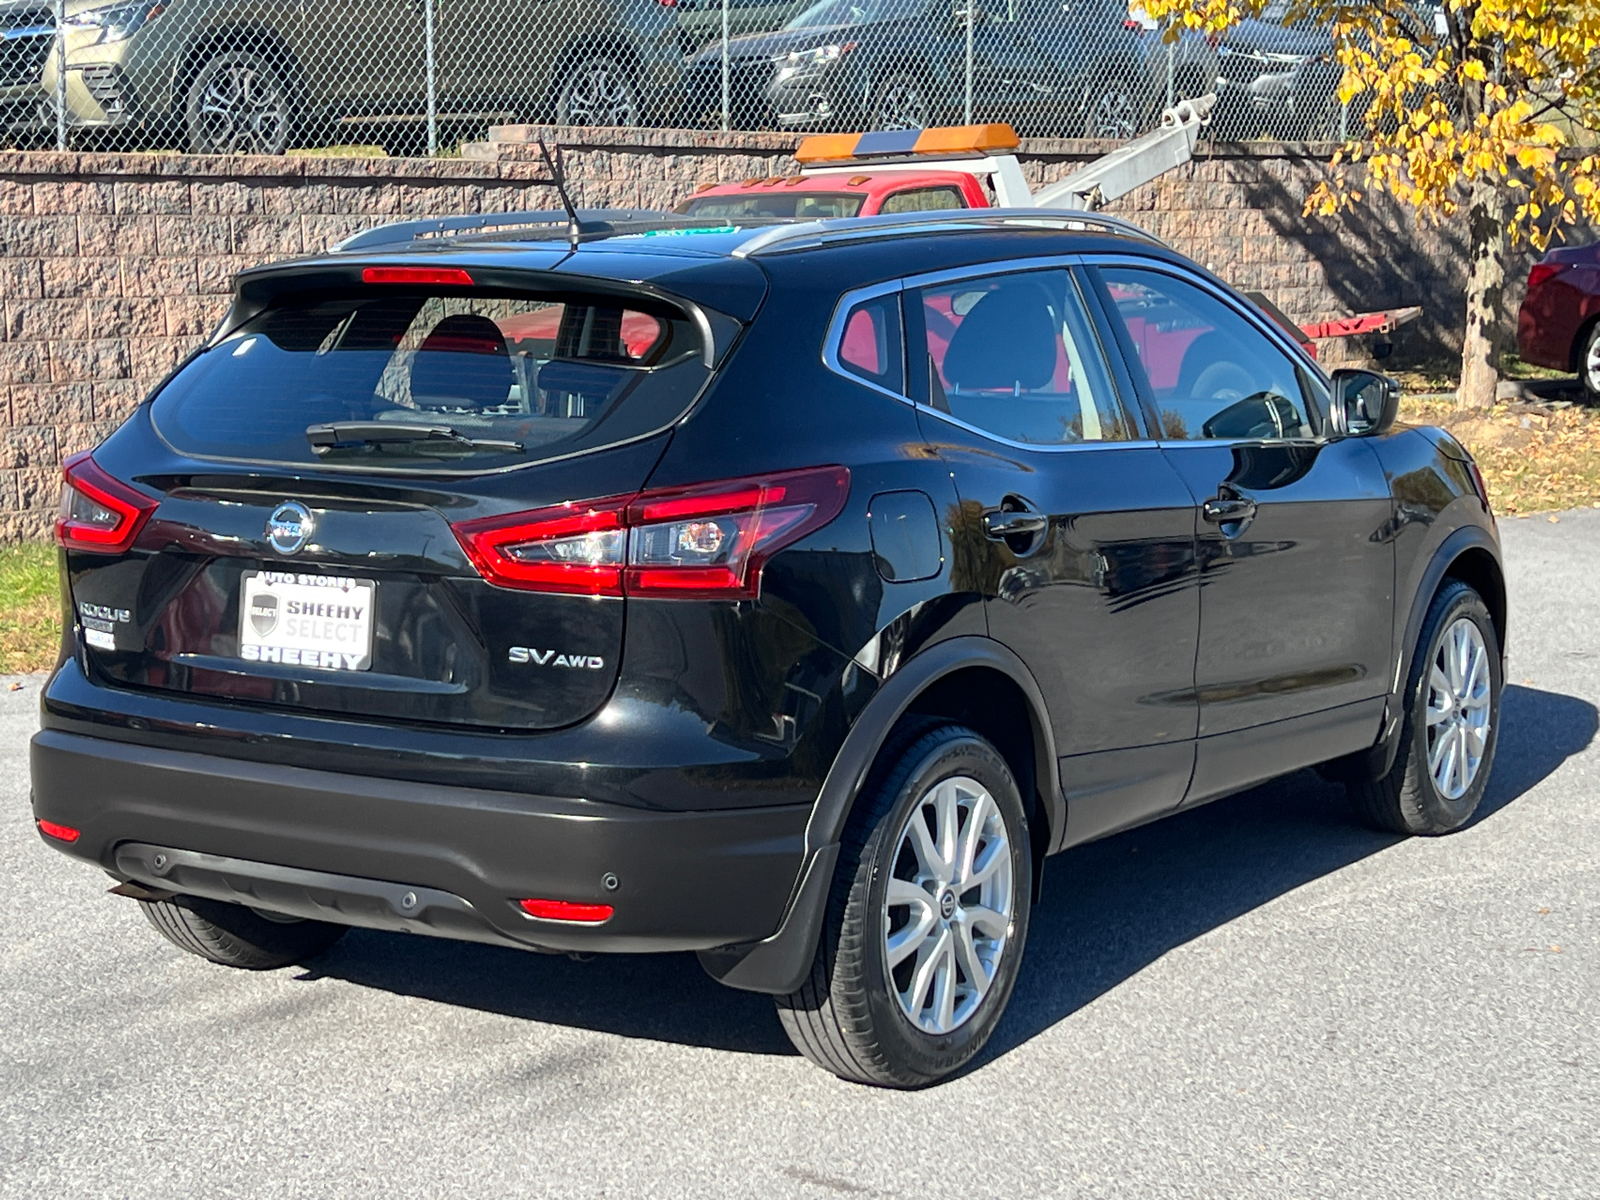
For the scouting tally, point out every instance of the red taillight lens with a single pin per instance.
(62, 833)
(565, 910)
(576, 548)
(449, 276)
(709, 541)
(1544, 272)
(1481, 486)
(98, 513)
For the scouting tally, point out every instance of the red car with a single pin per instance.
(1559, 325)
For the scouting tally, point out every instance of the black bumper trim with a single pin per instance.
(310, 895)
(683, 880)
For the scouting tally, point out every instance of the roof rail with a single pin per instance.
(536, 225)
(808, 234)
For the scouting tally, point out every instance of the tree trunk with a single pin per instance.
(1486, 285)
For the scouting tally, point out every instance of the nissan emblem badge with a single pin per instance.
(290, 527)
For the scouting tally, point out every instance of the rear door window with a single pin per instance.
(1013, 355)
(427, 380)
(870, 344)
(932, 199)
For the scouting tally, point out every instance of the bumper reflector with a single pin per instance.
(565, 910)
(65, 833)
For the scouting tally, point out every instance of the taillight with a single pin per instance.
(709, 541)
(576, 548)
(448, 276)
(61, 833)
(98, 513)
(1480, 486)
(1544, 272)
(566, 910)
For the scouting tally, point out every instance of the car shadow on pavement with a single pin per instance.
(1113, 907)
(1109, 910)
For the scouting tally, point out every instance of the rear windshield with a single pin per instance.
(417, 380)
(818, 206)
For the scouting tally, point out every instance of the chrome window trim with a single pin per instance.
(835, 336)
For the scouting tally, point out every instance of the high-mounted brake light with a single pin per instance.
(948, 139)
(61, 833)
(449, 276)
(1544, 272)
(98, 513)
(566, 910)
(708, 541)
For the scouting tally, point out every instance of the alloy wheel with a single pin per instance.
(1114, 114)
(1459, 709)
(243, 110)
(598, 93)
(901, 105)
(1591, 364)
(948, 907)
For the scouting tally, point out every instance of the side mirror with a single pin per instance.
(1364, 403)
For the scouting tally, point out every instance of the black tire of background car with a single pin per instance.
(1405, 801)
(1589, 352)
(238, 103)
(1115, 109)
(595, 89)
(236, 936)
(900, 101)
(844, 1017)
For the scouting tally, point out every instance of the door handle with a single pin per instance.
(1222, 510)
(1001, 525)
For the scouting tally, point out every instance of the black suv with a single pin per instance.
(785, 594)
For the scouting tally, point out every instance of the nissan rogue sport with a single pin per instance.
(784, 593)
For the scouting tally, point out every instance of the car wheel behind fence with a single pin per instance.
(596, 90)
(1114, 112)
(238, 104)
(901, 102)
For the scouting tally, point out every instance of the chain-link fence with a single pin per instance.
(420, 76)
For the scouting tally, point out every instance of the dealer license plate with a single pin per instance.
(321, 621)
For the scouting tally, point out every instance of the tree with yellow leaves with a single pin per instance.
(1484, 105)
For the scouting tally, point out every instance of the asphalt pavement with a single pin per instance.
(1259, 998)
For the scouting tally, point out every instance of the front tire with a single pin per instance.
(927, 918)
(901, 101)
(1451, 723)
(1114, 111)
(238, 104)
(597, 90)
(236, 936)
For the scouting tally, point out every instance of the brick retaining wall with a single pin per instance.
(112, 267)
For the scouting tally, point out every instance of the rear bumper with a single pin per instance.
(349, 848)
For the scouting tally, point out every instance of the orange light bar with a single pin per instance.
(949, 139)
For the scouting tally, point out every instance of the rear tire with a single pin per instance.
(1451, 723)
(236, 936)
(913, 969)
(597, 90)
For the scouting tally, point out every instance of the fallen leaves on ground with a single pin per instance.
(1534, 457)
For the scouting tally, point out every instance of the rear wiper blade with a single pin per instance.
(339, 435)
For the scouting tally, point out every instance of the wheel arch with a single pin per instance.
(1580, 340)
(1470, 555)
(974, 681)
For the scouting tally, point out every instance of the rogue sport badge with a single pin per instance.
(290, 527)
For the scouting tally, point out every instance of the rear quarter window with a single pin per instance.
(510, 378)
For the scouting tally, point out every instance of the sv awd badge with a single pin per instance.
(549, 658)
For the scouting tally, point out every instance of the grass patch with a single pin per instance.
(1534, 457)
(30, 608)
